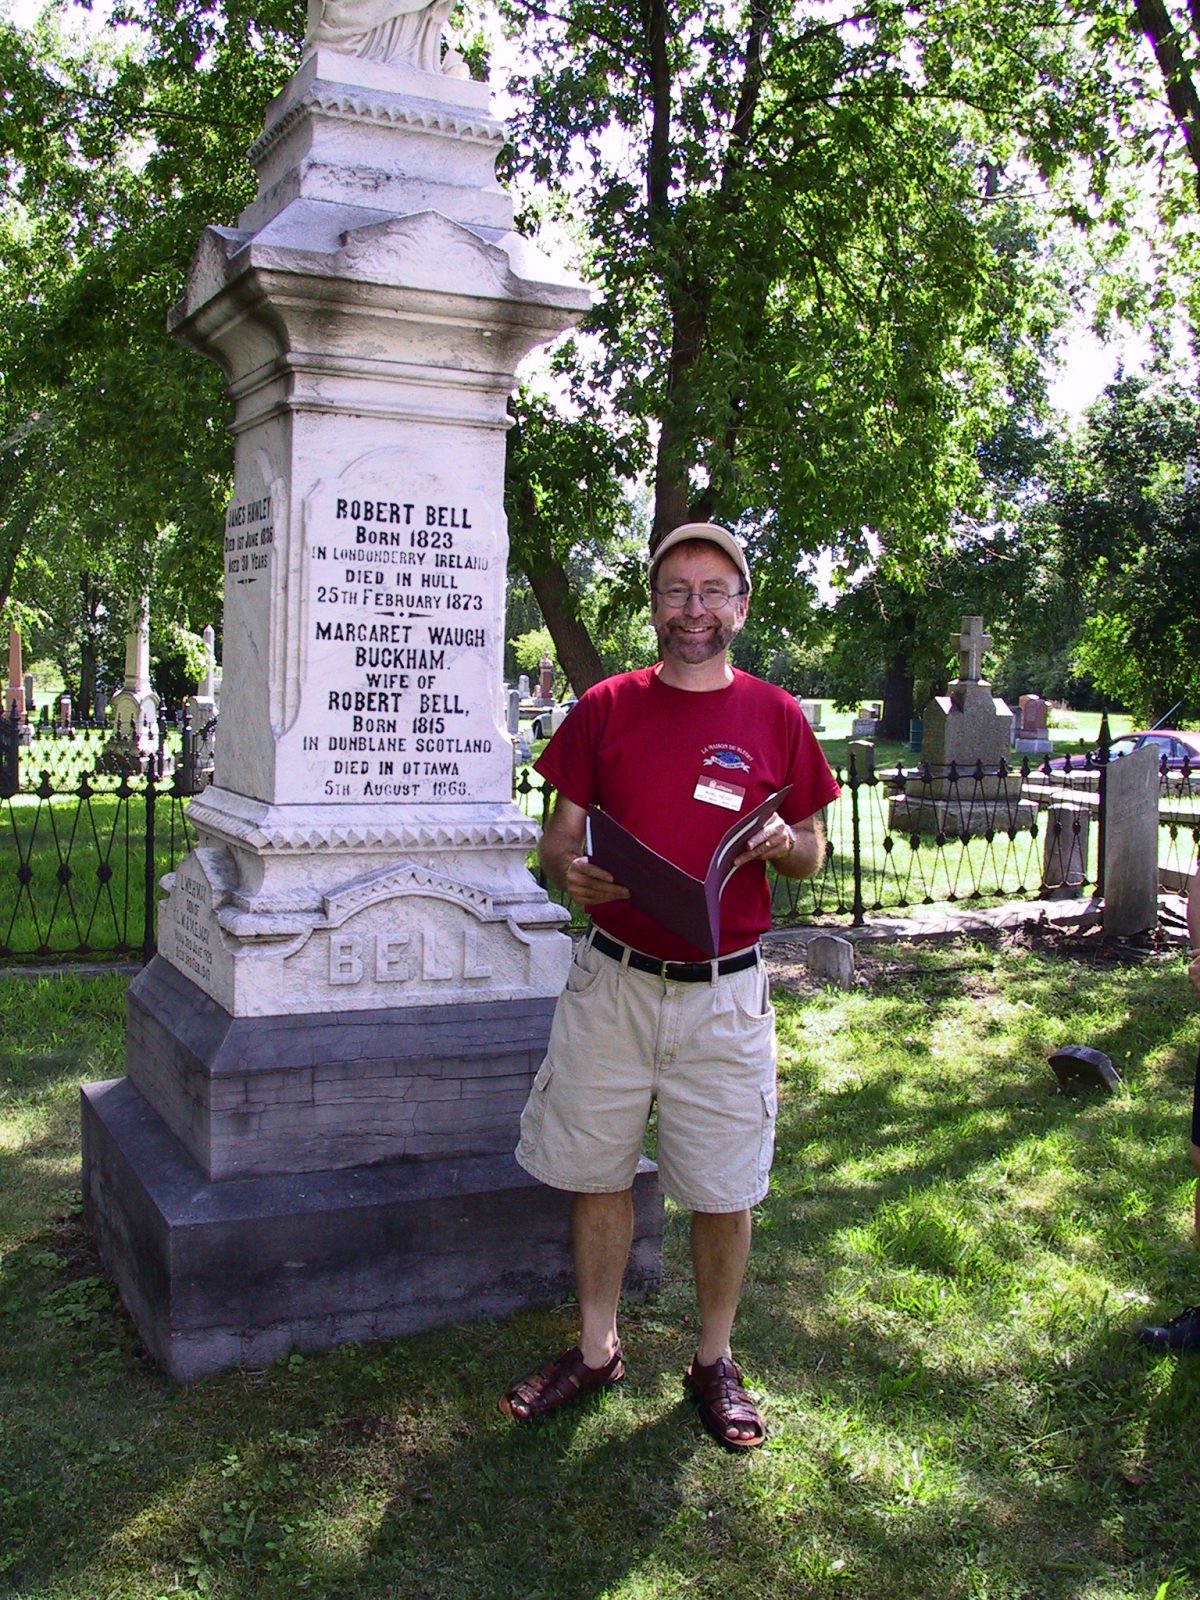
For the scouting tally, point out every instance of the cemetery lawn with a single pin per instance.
(940, 1321)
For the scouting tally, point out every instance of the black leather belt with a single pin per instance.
(676, 971)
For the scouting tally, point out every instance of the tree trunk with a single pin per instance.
(898, 687)
(577, 655)
(87, 680)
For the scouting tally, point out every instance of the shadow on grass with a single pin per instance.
(930, 1434)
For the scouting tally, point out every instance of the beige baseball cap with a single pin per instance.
(714, 533)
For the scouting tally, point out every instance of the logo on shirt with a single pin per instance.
(727, 760)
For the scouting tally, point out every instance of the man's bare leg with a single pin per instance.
(601, 1236)
(720, 1250)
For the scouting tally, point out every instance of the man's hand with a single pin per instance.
(795, 850)
(774, 840)
(560, 852)
(589, 885)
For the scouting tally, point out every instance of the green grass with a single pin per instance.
(939, 1318)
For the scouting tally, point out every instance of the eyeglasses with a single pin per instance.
(712, 596)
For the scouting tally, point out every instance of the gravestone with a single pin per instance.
(64, 723)
(135, 738)
(830, 959)
(546, 681)
(19, 698)
(812, 714)
(961, 787)
(327, 1059)
(862, 752)
(866, 723)
(523, 686)
(15, 697)
(101, 704)
(1130, 843)
(202, 713)
(1033, 720)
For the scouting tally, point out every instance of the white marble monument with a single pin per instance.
(135, 736)
(356, 968)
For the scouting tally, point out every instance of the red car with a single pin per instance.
(1179, 748)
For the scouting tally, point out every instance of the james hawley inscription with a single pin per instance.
(400, 683)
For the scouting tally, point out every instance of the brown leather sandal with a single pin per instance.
(724, 1403)
(566, 1378)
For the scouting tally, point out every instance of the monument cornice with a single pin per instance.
(349, 104)
(260, 827)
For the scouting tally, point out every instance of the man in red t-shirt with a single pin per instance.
(674, 753)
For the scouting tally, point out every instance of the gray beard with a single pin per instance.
(670, 642)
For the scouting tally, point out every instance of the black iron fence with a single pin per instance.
(900, 837)
(88, 827)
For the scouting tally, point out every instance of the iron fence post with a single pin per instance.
(153, 766)
(857, 911)
(1102, 754)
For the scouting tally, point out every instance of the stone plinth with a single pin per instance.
(288, 1094)
(356, 968)
(240, 1272)
(975, 815)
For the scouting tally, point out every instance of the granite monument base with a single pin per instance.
(261, 1096)
(237, 1273)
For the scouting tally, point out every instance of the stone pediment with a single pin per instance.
(407, 878)
(425, 251)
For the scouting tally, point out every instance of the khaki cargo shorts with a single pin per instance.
(623, 1041)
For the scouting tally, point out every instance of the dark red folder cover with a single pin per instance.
(690, 907)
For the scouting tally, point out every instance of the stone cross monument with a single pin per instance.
(966, 741)
(356, 971)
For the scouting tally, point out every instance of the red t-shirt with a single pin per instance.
(638, 748)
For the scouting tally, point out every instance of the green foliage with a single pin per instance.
(810, 286)
(117, 150)
(1121, 582)
(529, 650)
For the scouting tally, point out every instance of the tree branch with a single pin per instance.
(1156, 24)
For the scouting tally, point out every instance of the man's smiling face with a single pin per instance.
(691, 634)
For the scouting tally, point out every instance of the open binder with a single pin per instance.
(690, 907)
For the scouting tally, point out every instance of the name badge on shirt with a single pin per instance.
(715, 792)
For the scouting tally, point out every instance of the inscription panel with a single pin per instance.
(402, 596)
(188, 935)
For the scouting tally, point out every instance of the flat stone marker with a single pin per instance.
(831, 960)
(1080, 1064)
